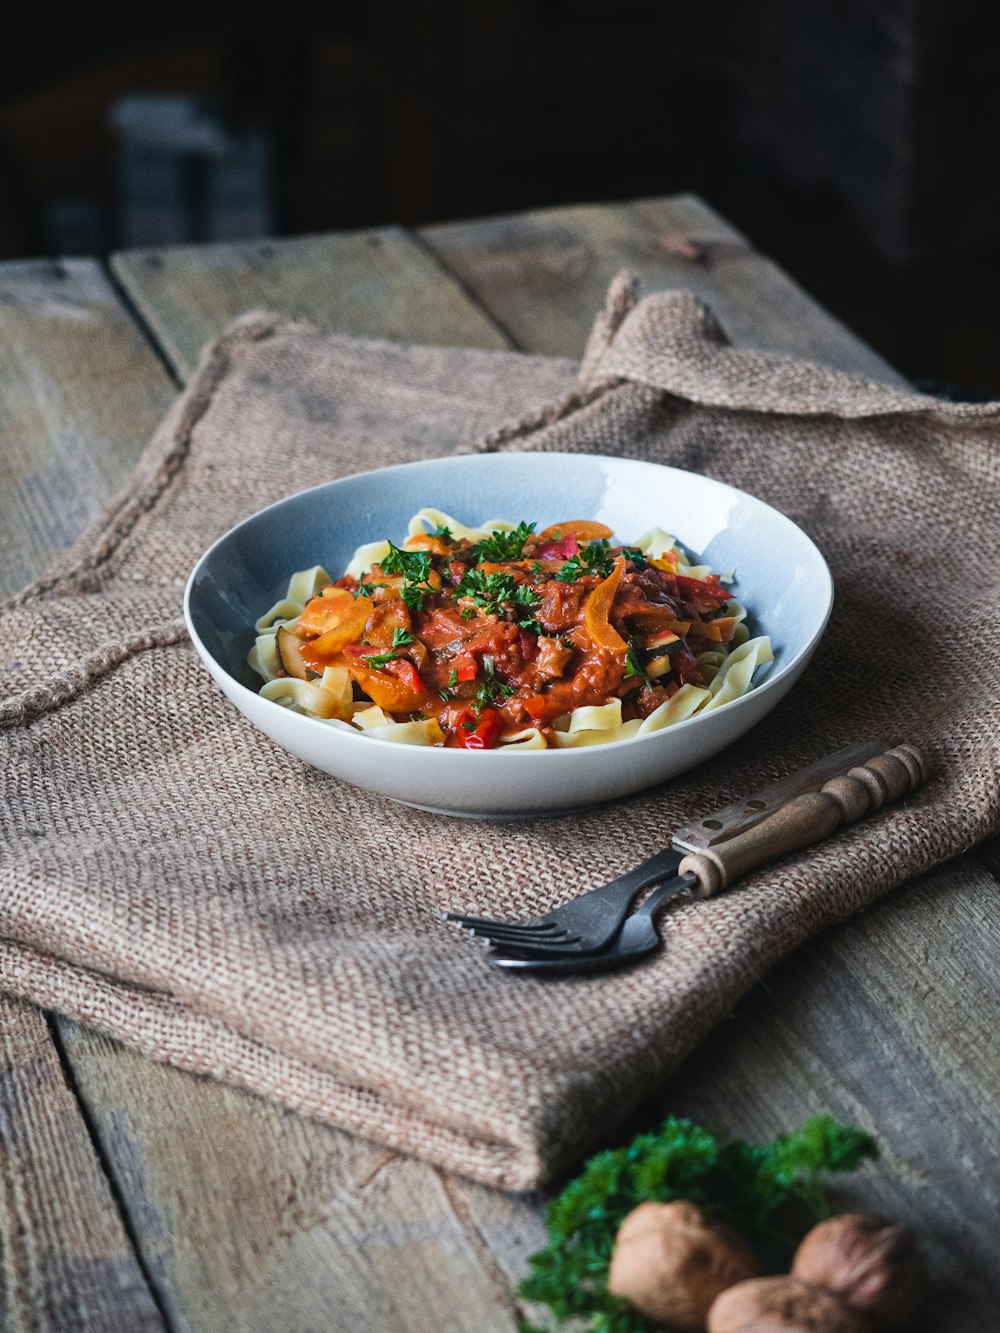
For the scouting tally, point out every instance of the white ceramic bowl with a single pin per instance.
(780, 576)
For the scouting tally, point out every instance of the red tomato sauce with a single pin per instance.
(515, 631)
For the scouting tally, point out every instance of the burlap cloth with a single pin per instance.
(170, 876)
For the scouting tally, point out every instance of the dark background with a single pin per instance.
(852, 140)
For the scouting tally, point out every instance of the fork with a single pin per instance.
(804, 820)
(588, 923)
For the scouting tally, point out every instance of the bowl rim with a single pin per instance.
(503, 753)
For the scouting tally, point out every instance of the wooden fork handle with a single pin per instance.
(809, 818)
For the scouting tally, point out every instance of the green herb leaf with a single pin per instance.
(771, 1193)
(494, 593)
(636, 556)
(592, 559)
(415, 566)
(499, 547)
(633, 663)
(493, 688)
(400, 637)
(381, 659)
(443, 532)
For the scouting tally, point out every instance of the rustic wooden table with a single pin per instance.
(136, 1197)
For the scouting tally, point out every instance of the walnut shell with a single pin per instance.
(871, 1264)
(782, 1305)
(670, 1262)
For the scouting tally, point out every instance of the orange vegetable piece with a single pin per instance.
(325, 611)
(583, 529)
(598, 609)
(668, 563)
(338, 621)
(390, 692)
(718, 631)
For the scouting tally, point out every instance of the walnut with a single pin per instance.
(670, 1262)
(872, 1265)
(782, 1305)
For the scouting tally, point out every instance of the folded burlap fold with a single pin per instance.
(171, 877)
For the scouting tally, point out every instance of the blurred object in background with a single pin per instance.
(181, 176)
(847, 140)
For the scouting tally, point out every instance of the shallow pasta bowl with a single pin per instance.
(780, 576)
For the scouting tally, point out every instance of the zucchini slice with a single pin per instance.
(287, 645)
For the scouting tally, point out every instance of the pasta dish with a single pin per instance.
(503, 636)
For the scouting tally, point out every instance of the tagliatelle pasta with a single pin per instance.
(502, 636)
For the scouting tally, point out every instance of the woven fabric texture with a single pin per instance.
(154, 880)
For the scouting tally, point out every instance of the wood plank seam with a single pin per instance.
(135, 315)
(498, 1279)
(54, 1024)
(423, 244)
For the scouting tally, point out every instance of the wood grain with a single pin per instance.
(377, 284)
(80, 393)
(251, 1217)
(246, 1217)
(890, 1023)
(873, 1023)
(66, 1262)
(245, 1213)
(543, 277)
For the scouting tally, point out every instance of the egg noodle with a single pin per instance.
(498, 636)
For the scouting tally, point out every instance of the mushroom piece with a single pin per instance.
(782, 1305)
(670, 1262)
(873, 1265)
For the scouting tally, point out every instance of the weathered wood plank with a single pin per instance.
(72, 423)
(378, 284)
(74, 418)
(543, 276)
(199, 1249)
(889, 1022)
(819, 1033)
(247, 1217)
(254, 1218)
(66, 1263)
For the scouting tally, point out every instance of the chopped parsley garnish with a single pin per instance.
(532, 626)
(498, 547)
(492, 688)
(492, 593)
(633, 666)
(400, 637)
(592, 559)
(442, 532)
(635, 555)
(537, 568)
(365, 588)
(416, 568)
(453, 678)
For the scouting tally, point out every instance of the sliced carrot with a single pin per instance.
(583, 529)
(598, 609)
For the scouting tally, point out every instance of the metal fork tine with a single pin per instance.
(519, 940)
(489, 923)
